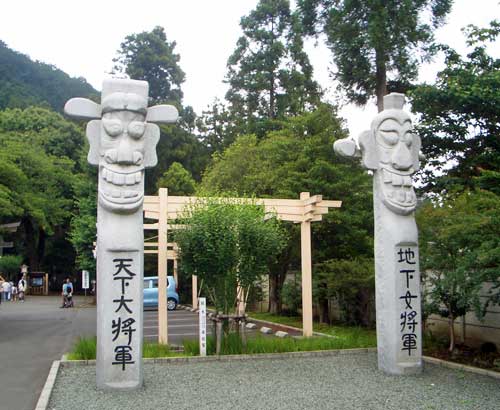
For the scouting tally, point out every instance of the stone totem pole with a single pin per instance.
(391, 151)
(122, 144)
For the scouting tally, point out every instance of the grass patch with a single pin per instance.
(85, 349)
(262, 344)
(354, 336)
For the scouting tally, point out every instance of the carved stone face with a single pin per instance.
(391, 149)
(394, 140)
(121, 162)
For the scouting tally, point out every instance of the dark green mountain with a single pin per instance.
(24, 82)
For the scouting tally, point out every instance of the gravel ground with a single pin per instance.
(335, 382)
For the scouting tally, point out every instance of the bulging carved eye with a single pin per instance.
(136, 129)
(408, 139)
(390, 137)
(113, 127)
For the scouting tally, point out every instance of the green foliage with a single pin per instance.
(227, 243)
(85, 349)
(10, 265)
(291, 296)
(149, 56)
(26, 82)
(377, 45)
(460, 252)
(83, 229)
(351, 283)
(300, 158)
(261, 344)
(38, 149)
(460, 120)
(178, 180)
(269, 74)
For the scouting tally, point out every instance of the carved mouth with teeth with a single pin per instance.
(113, 192)
(397, 191)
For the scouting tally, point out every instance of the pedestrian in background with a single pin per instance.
(14, 291)
(7, 289)
(21, 288)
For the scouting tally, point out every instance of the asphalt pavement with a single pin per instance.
(32, 335)
(35, 333)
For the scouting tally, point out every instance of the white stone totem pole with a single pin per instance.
(391, 151)
(122, 144)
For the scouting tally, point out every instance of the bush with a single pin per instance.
(291, 297)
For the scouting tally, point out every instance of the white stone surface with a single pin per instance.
(250, 325)
(266, 330)
(391, 150)
(122, 146)
(281, 334)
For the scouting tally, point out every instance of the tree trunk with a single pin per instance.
(274, 298)
(31, 244)
(381, 79)
(324, 311)
(451, 320)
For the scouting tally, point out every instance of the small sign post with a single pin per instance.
(202, 304)
(85, 280)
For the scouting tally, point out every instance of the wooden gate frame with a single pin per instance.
(163, 207)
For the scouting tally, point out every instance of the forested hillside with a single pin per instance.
(24, 82)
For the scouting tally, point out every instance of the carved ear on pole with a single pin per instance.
(369, 154)
(93, 135)
(162, 114)
(152, 136)
(416, 155)
(82, 109)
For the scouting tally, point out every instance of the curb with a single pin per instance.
(230, 358)
(43, 400)
(458, 366)
(297, 329)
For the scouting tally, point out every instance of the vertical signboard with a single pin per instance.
(85, 279)
(202, 303)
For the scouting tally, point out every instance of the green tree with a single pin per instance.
(37, 188)
(299, 158)
(460, 252)
(269, 74)
(228, 244)
(83, 232)
(10, 266)
(149, 56)
(26, 83)
(178, 180)
(376, 44)
(460, 120)
(351, 282)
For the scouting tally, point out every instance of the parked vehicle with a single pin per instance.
(151, 292)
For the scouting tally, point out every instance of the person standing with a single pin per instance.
(7, 289)
(14, 291)
(64, 293)
(21, 288)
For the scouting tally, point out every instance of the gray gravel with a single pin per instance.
(336, 382)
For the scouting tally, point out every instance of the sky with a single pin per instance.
(81, 38)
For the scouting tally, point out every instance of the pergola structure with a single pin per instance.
(163, 208)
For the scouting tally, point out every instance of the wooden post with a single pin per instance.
(176, 276)
(162, 268)
(195, 291)
(305, 251)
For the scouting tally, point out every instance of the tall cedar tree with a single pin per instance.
(269, 74)
(376, 44)
(460, 120)
(150, 57)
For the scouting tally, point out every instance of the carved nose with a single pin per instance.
(401, 157)
(125, 153)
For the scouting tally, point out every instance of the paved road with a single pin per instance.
(32, 335)
(182, 324)
(35, 333)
